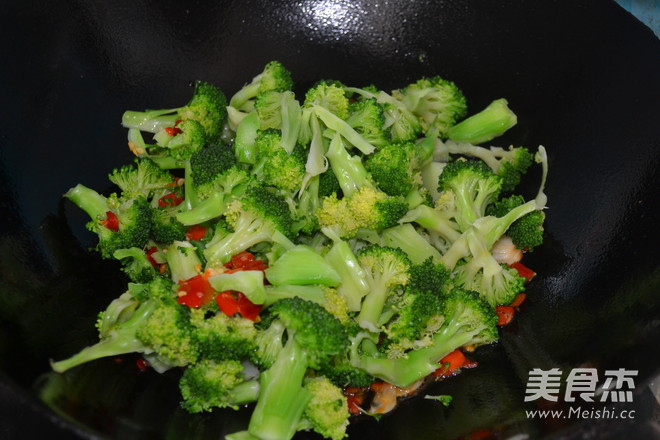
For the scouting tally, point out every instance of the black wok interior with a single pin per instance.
(583, 77)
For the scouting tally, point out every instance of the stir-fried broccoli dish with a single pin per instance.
(309, 254)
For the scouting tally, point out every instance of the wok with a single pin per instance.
(581, 75)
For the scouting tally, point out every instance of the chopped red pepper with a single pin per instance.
(172, 131)
(504, 314)
(227, 303)
(518, 300)
(170, 199)
(111, 222)
(150, 252)
(244, 261)
(142, 364)
(232, 303)
(451, 364)
(196, 233)
(523, 271)
(197, 291)
(247, 308)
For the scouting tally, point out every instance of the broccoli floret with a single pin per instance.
(314, 336)
(328, 184)
(368, 119)
(213, 180)
(302, 265)
(386, 269)
(275, 166)
(437, 103)
(367, 208)
(474, 187)
(488, 124)
(498, 284)
(212, 384)
(269, 341)
(273, 77)
(429, 276)
(256, 217)
(221, 337)
(281, 111)
(396, 168)
(467, 321)
(526, 232)
(183, 141)
(155, 326)
(119, 223)
(327, 411)
(510, 164)
(143, 178)
(329, 96)
(208, 165)
(166, 228)
(136, 264)
(400, 123)
(207, 106)
(483, 233)
(329, 104)
(417, 317)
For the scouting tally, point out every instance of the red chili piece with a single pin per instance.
(451, 364)
(196, 233)
(111, 222)
(523, 271)
(150, 252)
(198, 292)
(172, 131)
(504, 314)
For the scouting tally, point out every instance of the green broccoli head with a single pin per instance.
(417, 317)
(329, 96)
(143, 178)
(496, 283)
(189, 138)
(212, 384)
(474, 186)
(208, 107)
(367, 208)
(429, 277)
(395, 168)
(386, 269)
(210, 162)
(327, 410)
(278, 168)
(273, 77)
(133, 220)
(466, 320)
(526, 232)
(513, 164)
(221, 337)
(255, 217)
(169, 332)
(314, 329)
(136, 264)
(438, 103)
(368, 119)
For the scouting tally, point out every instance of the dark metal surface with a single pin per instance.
(581, 75)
